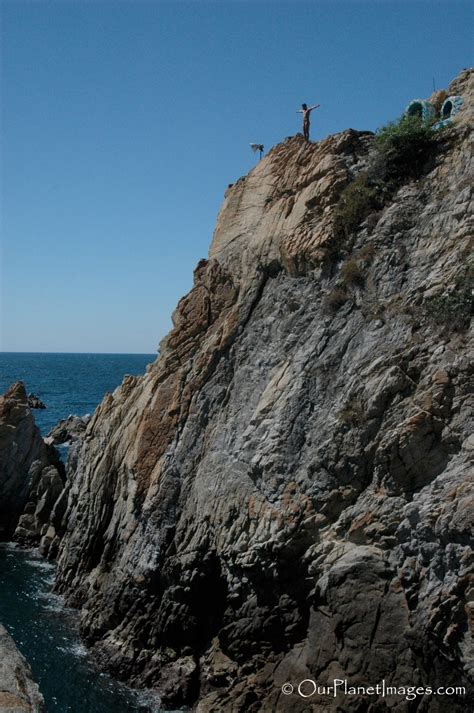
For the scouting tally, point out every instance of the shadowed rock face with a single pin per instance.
(31, 474)
(285, 494)
(20, 445)
(18, 692)
(68, 430)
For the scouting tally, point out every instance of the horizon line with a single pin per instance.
(3, 351)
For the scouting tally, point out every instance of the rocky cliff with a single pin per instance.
(18, 692)
(285, 494)
(31, 474)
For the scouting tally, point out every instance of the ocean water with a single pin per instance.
(44, 630)
(68, 383)
(47, 634)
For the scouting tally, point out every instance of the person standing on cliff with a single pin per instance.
(306, 111)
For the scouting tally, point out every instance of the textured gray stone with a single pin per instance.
(27, 467)
(68, 430)
(285, 494)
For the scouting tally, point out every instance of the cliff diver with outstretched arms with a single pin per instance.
(306, 111)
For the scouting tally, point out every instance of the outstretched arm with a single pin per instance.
(316, 106)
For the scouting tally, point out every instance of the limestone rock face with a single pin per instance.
(287, 493)
(18, 692)
(31, 474)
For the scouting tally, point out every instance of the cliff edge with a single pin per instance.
(286, 494)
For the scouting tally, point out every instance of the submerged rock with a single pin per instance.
(286, 493)
(18, 691)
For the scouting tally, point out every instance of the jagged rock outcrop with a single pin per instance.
(18, 691)
(31, 473)
(286, 494)
(68, 430)
(35, 402)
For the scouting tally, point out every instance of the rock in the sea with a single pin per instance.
(68, 430)
(18, 691)
(30, 470)
(35, 525)
(35, 402)
(287, 493)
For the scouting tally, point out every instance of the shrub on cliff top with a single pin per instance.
(404, 146)
(402, 150)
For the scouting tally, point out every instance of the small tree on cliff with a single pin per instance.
(403, 147)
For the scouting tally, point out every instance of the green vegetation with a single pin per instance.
(404, 147)
(366, 254)
(353, 414)
(453, 309)
(357, 201)
(401, 152)
(335, 299)
(351, 273)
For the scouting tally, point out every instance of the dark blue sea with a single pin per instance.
(44, 630)
(68, 383)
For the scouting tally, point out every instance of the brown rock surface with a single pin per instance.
(25, 462)
(18, 692)
(285, 494)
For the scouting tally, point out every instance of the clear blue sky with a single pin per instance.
(123, 123)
